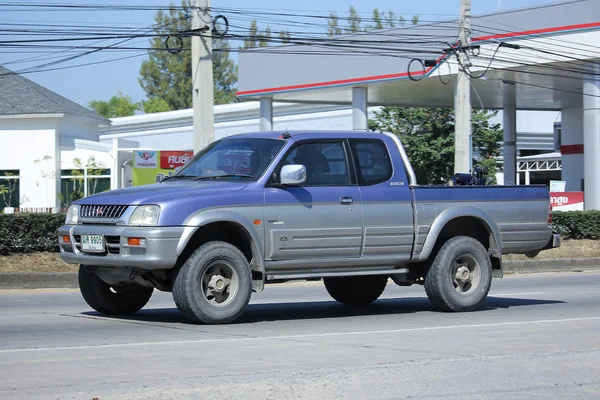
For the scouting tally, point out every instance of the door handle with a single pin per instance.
(346, 200)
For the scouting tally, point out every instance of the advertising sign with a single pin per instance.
(152, 166)
(566, 201)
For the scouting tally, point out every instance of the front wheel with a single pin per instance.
(123, 299)
(460, 276)
(356, 290)
(214, 285)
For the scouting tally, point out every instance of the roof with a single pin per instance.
(303, 134)
(21, 96)
(533, 55)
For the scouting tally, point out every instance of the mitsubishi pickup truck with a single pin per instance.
(271, 207)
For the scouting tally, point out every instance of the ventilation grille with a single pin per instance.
(89, 211)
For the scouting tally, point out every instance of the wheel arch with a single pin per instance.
(226, 226)
(468, 221)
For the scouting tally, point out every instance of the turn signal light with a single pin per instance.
(136, 241)
(66, 239)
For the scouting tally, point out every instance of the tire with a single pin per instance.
(460, 276)
(119, 300)
(214, 285)
(356, 290)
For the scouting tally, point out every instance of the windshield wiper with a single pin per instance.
(184, 176)
(199, 178)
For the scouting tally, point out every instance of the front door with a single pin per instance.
(321, 218)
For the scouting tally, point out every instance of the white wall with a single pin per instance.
(181, 137)
(21, 142)
(77, 127)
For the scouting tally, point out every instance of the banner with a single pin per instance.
(566, 201)
(152, 166)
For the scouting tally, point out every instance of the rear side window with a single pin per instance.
(372, 160)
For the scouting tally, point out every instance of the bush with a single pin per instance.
(577, 224)
(29, 233)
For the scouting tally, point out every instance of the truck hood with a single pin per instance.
(161, 193)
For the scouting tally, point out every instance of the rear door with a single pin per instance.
(321, 218)
(386, 200)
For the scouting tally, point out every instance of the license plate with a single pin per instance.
(92, 243)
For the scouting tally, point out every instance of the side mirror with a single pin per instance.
(294, 174)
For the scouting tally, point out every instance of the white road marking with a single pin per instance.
(301, 336)
(514, 294)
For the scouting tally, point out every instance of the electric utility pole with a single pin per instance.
(202, 75)
(462, 94)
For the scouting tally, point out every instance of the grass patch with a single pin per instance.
(35, 262)
(51, 262)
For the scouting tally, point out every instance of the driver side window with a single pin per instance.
(326, 163)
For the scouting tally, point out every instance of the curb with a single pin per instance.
(555, 265)
(68, 280)
(38, 280)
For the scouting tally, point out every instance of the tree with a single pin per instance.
(169, 76)
(354, 21)
(154, 105)
(284, 36)
(377, 19)
(117, 106)
(334, 25)
(380, 20)
(428, 136)
(258, 38)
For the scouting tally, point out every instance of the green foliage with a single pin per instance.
(7, 190)
(154, 105)
(29, 233)
(258, 38)
(353, 21)
(428, 136)
(380, 20)
(169, 76)
(91, 168)
(577, 224)
(118, 106)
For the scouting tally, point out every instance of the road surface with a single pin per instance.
(538, 338)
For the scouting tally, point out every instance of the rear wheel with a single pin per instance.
(122, 299)
(356, 290)
(460, 276)
(214, 285)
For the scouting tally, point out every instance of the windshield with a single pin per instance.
(232, 159)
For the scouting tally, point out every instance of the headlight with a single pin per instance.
(145, 216)
(72, 215)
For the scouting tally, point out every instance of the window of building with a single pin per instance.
(9, 188)
(79, 183)
(373, 161)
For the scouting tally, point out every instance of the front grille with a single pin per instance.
(101, 211)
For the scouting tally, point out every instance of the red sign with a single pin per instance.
(174, 159)
(566, 201)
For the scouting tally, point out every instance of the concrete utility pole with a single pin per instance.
(462, 94)
(202, 75)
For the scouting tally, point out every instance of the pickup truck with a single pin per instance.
(271, 207)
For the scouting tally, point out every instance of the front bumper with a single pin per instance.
(160, 250)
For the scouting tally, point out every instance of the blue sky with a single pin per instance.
(100, 82)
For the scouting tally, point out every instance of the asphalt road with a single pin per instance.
(538, 338)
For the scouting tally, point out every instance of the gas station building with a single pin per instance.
(536, 58)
